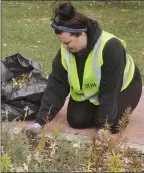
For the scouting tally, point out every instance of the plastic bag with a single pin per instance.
(18, 110)
(18, 67)
(6, 74)
(22, 86)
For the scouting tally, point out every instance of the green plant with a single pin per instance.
(6, 163)
(114, 163)
(90, 168)
(136, 164)
(109, 150)
(33, 154)
(57, 131)
(14, 144)
(44, 154)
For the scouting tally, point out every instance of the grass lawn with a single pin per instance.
(26, 28)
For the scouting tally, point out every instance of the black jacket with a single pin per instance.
(114, 57)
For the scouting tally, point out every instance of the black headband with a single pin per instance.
(62, 28)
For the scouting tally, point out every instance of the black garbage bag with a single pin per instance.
(6, 74)
(18, 110)
(22, 86)
(22, 78)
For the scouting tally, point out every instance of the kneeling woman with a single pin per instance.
(95, 68)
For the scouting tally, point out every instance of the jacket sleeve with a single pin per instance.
(55, 93)
(114, 58)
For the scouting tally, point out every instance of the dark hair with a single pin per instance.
(65, 15)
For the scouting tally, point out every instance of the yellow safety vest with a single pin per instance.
(92, 71)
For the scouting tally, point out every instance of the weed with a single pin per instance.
(114, 163)
(57, 131)
(41, 145)
(6, 163)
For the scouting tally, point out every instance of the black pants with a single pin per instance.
(82, 114)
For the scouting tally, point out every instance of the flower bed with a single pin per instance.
(50, 154)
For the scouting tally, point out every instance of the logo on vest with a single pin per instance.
(90, 85)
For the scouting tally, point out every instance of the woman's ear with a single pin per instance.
(81, 36)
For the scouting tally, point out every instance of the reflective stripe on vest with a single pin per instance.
(128, 72)
(96, 55)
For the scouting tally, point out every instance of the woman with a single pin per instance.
(94, 67)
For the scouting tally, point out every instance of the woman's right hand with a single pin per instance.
(32, 129)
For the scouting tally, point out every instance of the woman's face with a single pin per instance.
(73, 43)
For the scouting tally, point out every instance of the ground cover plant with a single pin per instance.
(105, 152)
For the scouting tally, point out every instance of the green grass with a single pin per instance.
(26, 28)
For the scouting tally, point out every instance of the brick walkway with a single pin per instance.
(134, 131)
